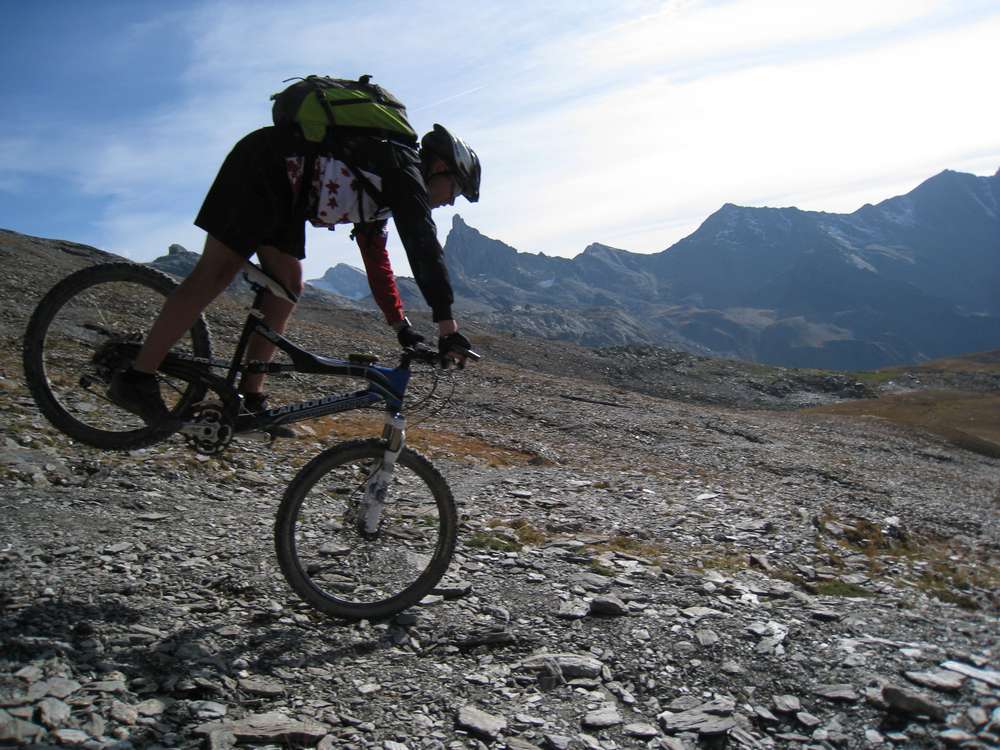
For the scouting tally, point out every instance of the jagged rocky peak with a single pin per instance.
(178, 261)
(345, 280)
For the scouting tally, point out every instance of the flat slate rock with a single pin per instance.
(572, 666)
(480, 723)
(836, 692)
(269, 727)
(911, 702)
(940, 679)
(603, 717)
(989, 676)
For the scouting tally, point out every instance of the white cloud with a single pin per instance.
(657, 150)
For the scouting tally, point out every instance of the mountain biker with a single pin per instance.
(256, 204)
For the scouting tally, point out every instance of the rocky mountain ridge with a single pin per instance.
(909, 279)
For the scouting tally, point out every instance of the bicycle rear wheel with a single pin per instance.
(328, 562)
(75, 341)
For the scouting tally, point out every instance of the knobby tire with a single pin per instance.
(37, 339)
(298, 506)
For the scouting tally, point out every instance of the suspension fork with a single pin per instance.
(377, 486)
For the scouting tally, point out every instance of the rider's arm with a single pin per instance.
(406, 195)
(371, 240)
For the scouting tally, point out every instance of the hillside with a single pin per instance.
(634, 569)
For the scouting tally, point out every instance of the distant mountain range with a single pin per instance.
(912, 278)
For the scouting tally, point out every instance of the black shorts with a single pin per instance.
(251, 203)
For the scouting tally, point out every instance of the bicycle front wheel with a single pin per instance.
(338, 570)
(73, 346)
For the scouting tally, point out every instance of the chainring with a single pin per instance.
(207, 430)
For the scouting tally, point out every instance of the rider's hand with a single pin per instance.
(453, 349)
(407, 335)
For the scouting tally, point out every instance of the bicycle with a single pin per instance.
(365, 529)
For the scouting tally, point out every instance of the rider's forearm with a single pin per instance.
(382, 282)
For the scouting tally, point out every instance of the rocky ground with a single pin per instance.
(633, 570)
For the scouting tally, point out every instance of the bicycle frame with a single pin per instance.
(385, 384)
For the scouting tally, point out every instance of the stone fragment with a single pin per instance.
(641, 730)
(95, 726)
(208, 709)
(451, 589)
(989, 676)
(267, 728)
(825, 615)
(684, 703)
(124, 713)
(31, 673)
(52, 712)
(13, 729)
(572, 666)
(940, 679)
(807, 720)
(954, 736)
(838, 692)
(706, 637)
(764, 714)
(261, 687)
(513, 743)
(700, 613)
(151, 707)
(977, 715)
(60, 687)
(911, 702)
(610, 606)
(107, 686)
(603, 717)
(558, 741)
(731, 667)
(71, 737)
(786, 704)
(707, 719)
(574, 609)
(480, 723)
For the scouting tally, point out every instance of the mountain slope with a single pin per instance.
(911, 278)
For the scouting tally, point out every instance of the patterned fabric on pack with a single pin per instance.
(336, 197)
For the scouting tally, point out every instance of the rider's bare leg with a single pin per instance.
(288, 270)
(214, 271)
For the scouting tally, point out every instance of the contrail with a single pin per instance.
(449, 98)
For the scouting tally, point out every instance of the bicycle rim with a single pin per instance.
(328, 561)
(70, 352)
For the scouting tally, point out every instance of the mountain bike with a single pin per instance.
(366, 529)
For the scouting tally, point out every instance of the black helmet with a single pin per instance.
(461, 160)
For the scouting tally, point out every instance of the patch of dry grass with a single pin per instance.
(970, 421)
(941, 567)
(434, 442)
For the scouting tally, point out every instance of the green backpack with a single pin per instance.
(324, 107)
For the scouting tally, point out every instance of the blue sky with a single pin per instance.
(624, 122)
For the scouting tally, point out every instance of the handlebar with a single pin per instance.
(426, 355)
